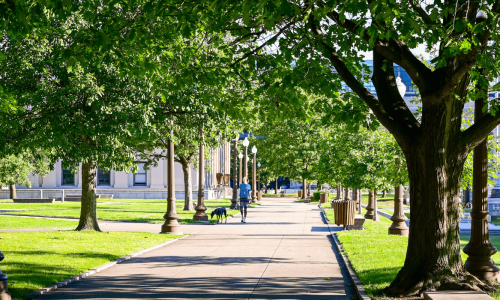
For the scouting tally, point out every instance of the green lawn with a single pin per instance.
(138, 210)
(278, 195)
(7, 222)
(387, 202)
(37, 259)
(377, 257)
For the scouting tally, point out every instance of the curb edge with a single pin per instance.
(354, 277)
(92, 271)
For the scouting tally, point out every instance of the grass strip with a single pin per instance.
(377, 256)
(278, 195)
(37, 259)
(137, 210)
(8, 222)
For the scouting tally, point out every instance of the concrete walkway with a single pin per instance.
(284, 251)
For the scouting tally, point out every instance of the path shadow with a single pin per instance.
(203, 287)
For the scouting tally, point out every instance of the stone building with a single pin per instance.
(145, 184)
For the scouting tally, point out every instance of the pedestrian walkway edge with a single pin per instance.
(360, 289)
(95, 270)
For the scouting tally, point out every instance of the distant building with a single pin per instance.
(145, 184)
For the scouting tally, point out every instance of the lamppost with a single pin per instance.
(4, 289)
(171, 224)
(254, 195)
(259, 186)
(240, 156)
(246, 142)
(234, 200)
(200, 214)
(399, 218)
(259, 196)
(480, 249)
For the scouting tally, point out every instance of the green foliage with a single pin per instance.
(14, 169)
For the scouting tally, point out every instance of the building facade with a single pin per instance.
(145, 184)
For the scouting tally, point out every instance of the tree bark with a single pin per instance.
(276, 189)
(265, 187)
(384, 193)
(304, 189)
(13, 191)
(188, 186)
(88, 212)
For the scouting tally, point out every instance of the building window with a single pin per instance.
(140, 176)
(102, 177)
(68, 178)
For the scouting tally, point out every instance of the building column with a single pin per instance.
(121, 180)
(157, 176)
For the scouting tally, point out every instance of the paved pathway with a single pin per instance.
(284, 251)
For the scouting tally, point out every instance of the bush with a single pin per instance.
(316, 196)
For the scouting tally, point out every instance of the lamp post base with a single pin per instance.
(200, 215)
(483, 267)
(171, 226)
(399, 231)
(4, 290)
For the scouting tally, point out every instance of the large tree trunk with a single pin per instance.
(276, 189)
(188, 188)
(88, 212)
(13, 191)
(384, 193)
(433, 251)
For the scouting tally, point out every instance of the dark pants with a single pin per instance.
(243, 207)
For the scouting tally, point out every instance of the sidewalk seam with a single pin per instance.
(268, 263)
(354, 277)
(95, 270)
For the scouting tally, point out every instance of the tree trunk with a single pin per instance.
(188, 187)
(304, 189)
(276, 189)
(13, 191)
(384, 193)
(433, 257)
(88, 213)
(265, 187)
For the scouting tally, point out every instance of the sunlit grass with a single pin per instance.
(8, 222)
(138, 210)
(377, 256)
(37, 259)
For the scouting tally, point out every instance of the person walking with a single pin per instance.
(245, 189)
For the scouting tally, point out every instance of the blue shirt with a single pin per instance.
(245, 189)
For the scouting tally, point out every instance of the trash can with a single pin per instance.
(344, 212)
(282, 193)
(323, 197)
(299, 193)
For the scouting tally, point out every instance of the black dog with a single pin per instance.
(219, 212)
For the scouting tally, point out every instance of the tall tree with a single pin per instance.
(323, 41)
(85, 113)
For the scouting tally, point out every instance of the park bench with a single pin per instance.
(78, 198)
(35, 200)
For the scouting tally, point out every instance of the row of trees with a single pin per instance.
(86, 93)
(272, 55)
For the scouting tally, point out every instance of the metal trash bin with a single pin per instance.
(323, 197)
(344, 212)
